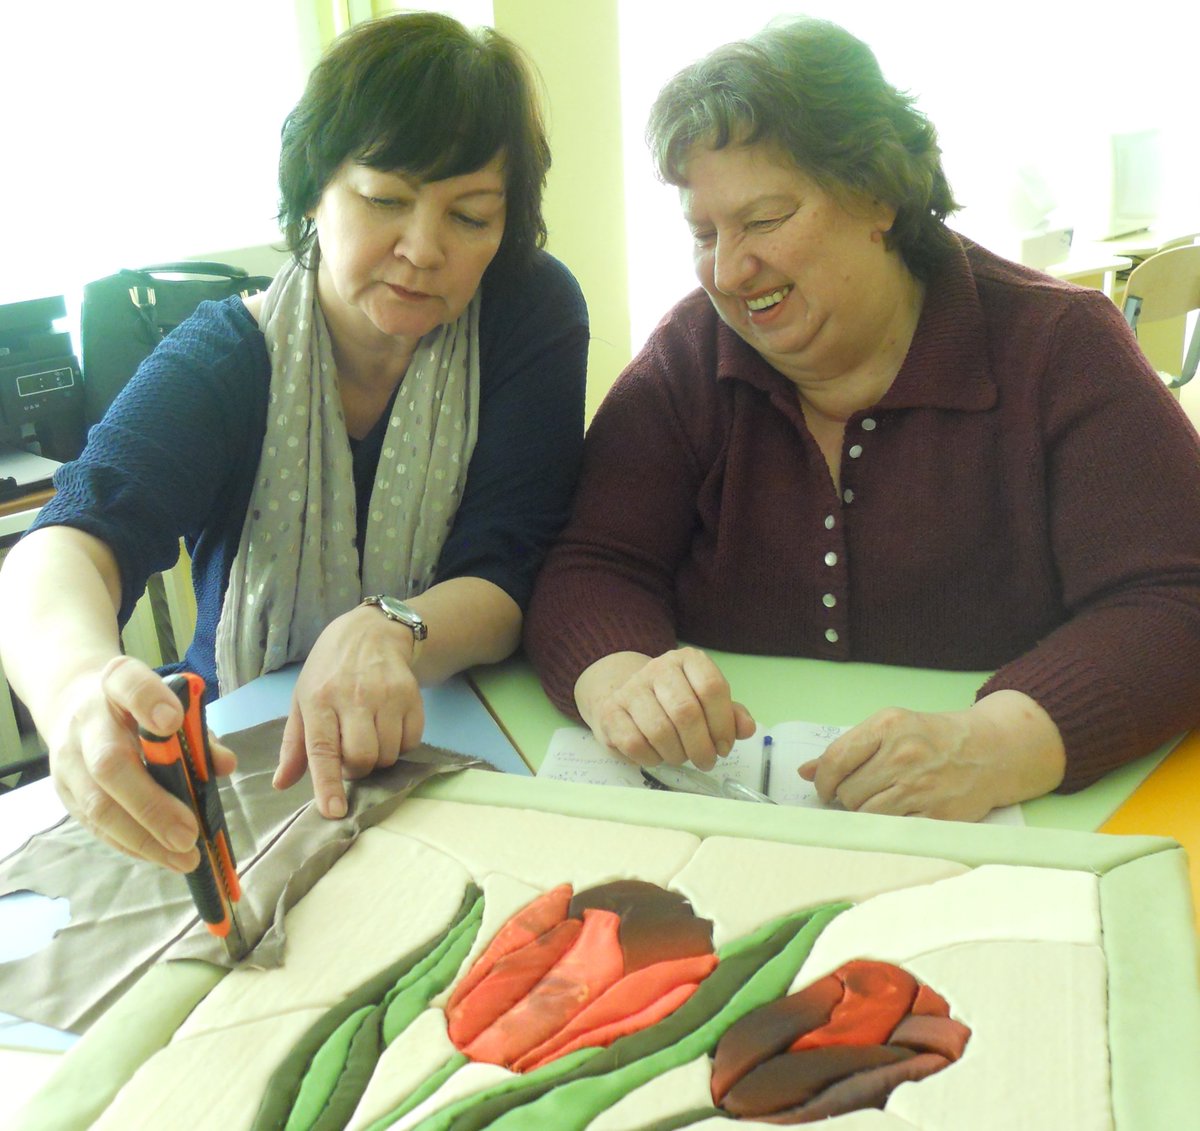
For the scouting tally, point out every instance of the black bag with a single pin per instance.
(124, 316)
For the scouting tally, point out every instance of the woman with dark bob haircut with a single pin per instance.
(867, 438)
(366, 462)
(425, 95)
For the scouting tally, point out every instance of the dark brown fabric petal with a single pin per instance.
(870, 1088)
(941, 1035)
(656, 924)
(792, 1079)
(771, 1030)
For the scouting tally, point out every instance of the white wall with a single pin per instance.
(141, 130)
(137, 131)
(1020, 93)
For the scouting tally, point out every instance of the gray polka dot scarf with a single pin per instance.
(297, 566)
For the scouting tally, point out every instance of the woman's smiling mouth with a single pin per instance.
(765, 302)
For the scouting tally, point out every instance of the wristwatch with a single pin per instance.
(403, 614)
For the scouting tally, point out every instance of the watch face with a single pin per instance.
(395, 609)
(399, 611)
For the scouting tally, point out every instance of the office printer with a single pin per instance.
(41, 391)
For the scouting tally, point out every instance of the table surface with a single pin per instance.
(1088, 259)
(1147, 241)
(783, 689)
(511, 723)
(1085, 263)
(1167, 803)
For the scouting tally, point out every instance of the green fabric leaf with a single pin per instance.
(318, 1083)
(411, 995)
(360, 1065)
(545, 1077)
(286, 1081)
(431, 1085)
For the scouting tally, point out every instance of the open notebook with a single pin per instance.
(767, 763)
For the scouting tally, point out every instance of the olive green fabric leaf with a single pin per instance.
(425, 970)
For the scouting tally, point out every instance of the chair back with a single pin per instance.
(1166, 286)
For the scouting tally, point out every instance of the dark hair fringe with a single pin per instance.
(418, 93)
(816, 92)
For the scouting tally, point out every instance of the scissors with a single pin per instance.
(182, 764)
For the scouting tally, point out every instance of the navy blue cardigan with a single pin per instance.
(176, 454)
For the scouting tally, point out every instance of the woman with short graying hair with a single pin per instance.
(867, 438)
(821, 98)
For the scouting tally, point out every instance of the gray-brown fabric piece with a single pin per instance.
(126, 913)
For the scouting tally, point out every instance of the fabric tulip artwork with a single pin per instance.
(567, 973)
(841, 1044)
(587, 996)
(470, 964)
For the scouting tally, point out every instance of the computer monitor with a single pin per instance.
(1131, 183)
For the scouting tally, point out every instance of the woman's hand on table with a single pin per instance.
(356, 707)
(674, 708)
(954, 765)
(97, 768)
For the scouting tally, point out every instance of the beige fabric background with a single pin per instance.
(127, 914)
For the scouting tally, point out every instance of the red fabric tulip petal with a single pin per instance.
(606, 1034)
(770, 1030)
(624, 1003)
(877, 996)
(592, 965)
(930, 1001)
(924, 1033)
(534, 919)
(508, 982)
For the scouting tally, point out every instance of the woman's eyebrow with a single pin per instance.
(481, 192)
(768, 200)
